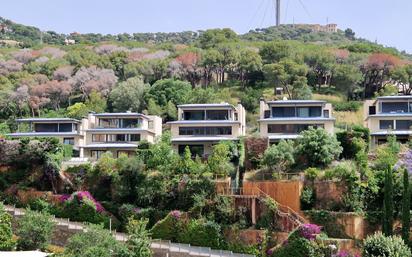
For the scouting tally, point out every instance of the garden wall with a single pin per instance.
(328, 194)
(284, 192)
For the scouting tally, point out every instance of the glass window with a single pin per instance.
(43, 127)
(98, 138)
(326, 113)
(96, 154)
(291, 128)
(65, 127)
(195, 150)
(68, 140)
(130, 123)
(194, 115)
(134, 137)
(394, 107)
(204, 131)
(386, 124)
(109, 123)
(303, 112)
(217, 114)
(403, 124)
(283, 112)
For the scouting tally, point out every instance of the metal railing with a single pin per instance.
(155, 243)
(262, 176)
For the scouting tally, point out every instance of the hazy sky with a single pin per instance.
(387, 21)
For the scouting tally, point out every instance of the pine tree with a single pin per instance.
(406, 205)
(387, 225)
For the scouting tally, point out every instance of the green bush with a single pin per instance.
(39, 204)
(349, 106)
(307, 198)
(328, 222)
(201, 233)
(6, 234)
(268, 219)
(34, 230)
(312, 173)
(169, 227)
(279, 156)
(380, 245)
(95, 241)
(350, 140)
(317, 147)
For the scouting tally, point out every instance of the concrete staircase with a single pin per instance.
(65, 228)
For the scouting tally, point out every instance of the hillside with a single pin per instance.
(154, 72)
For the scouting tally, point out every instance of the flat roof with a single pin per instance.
(202, 122)
(213, 105)
(67, 120)
(120, 114)
(296, 102)
(394, 97)
(394, 114)
(43, 134)
(118, 130)
(202, 139)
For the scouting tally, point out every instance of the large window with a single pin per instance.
(217, 114)
(108, 123)
(290, 128)
(41, 127)
(68, 140)
(394, 107)
(96, 154)
(204, 131)
(283, 112)
(314, 111)
(195, 150)
(386, 124)
(194, 115)
(116, 138)
(98, 138)
(403, 124)
(130, 123)
(134, 137)
(65, 127)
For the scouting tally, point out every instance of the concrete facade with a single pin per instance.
(388, 115)
(201, 126)
(97, 133)
(275, 125)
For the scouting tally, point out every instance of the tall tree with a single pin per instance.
(387, 226)
(128, 95)
(406, 207)
(291, 76)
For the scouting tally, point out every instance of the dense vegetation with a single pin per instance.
(51, 79)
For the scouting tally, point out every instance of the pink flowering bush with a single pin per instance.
(81, 206)
(309, 231)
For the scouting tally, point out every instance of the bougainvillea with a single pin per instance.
(80, 196)
(309, 231)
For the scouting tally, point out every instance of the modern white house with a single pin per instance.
(68, 131)
(119, 133)
(285, 119)
(388, 115)
(200, 126)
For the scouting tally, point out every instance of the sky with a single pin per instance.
(386, 21)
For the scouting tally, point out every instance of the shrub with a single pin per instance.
(201, 233)
(95, 241)
(267, 219)
(34, 230)
(39, 204)
(317, 147)
(349, 106)
(312, 173)
(307, 198)
(6, 234)
(280, 156)
(380, 245)
(328, 223)
(139, 239)
(167, 228)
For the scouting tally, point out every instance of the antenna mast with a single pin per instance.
(277, 12)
